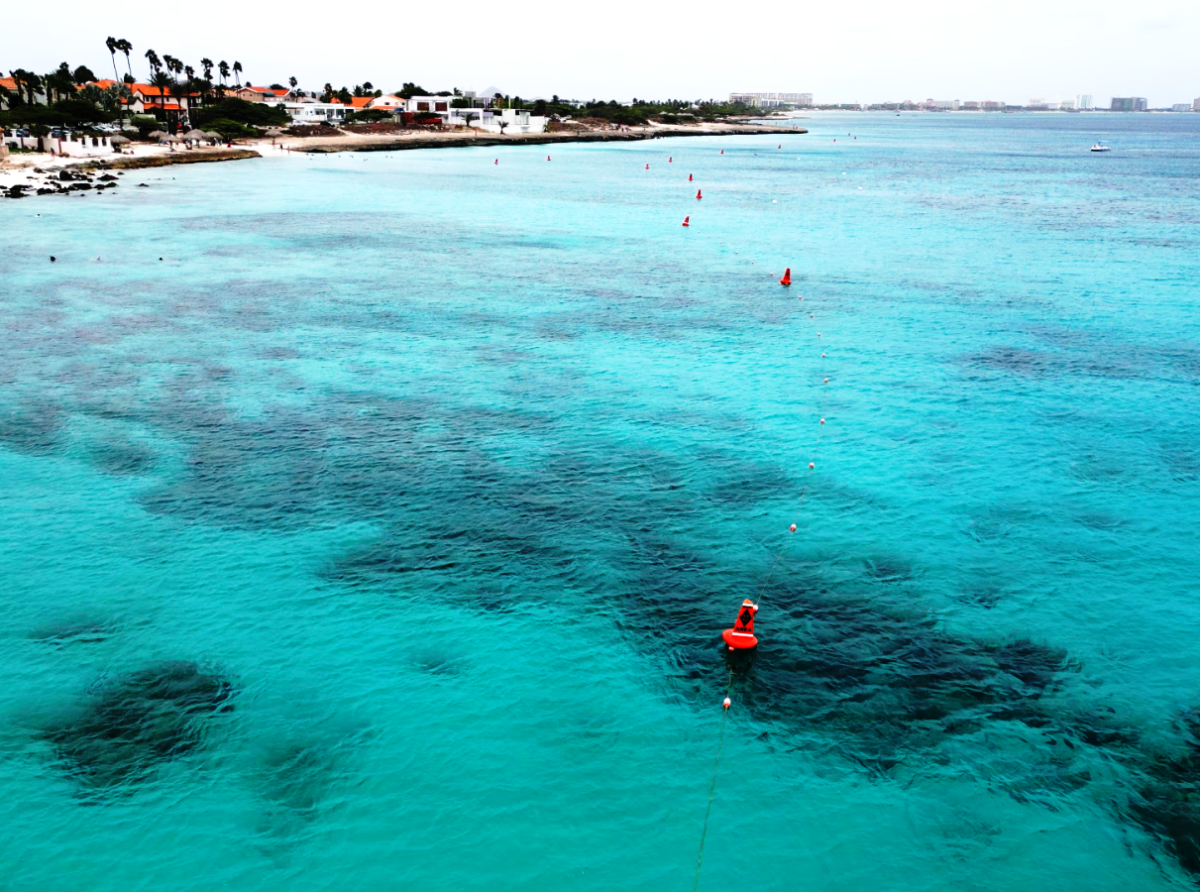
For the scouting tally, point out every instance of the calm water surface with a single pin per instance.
(378, 536)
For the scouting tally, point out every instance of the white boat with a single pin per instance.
(1100, 147)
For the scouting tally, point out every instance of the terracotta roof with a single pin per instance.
(106, 83)
(8, 83)
(147, 90)
(360, 101)
(169, 106)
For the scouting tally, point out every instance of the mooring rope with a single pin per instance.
(712, 787)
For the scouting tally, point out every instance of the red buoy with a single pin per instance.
(787, 277)
(780, 146)
(792, 528)
(698, 195)
(741, 636)
(547, 157)
(497, 161)
(671, 160)
(689, 177)
(685, 221)
(722, 151)
(647, 165)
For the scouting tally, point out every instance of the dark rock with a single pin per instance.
(138, 720)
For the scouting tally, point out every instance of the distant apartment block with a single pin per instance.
(992, 105)
(947, 104)
(770, 100)
(1128, 103)
(1084, 101)
(1196, 104)
(1181, 106)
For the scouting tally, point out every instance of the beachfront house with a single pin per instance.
(313, 112)
(274, 95)
(514, 120)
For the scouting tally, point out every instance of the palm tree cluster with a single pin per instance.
(165, 74)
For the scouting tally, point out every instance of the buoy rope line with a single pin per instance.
(712, 787)
(812, 465)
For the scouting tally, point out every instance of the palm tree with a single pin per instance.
(223, 67)
(155, 63)
(126, 47)
(237, 70)
(163, 82)
(207, 65)
(292, 83)
(111, 43)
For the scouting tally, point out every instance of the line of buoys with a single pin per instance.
(685, 221)
(787, 277)
(741, 636)
(698, 195)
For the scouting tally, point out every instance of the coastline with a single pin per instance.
(21, 176)
(424, 140)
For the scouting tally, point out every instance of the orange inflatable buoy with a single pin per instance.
(685, 221)
(741, 636)
(787, 277)
(698, 195)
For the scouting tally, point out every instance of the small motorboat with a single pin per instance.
(1100, 147)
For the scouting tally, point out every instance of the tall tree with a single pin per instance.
(111, 43)
(155, 62)
(83, 75)
(207, 65)
(126, 47)
(163, 82)
(237, 71)
(223, 67)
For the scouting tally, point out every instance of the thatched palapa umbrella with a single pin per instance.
(212, 136)
(118, 141)
(274, 133)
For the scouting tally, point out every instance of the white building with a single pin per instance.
(772, 100)
(1196, 105)
(317, 112)
(1181, 107)
(1084, 101)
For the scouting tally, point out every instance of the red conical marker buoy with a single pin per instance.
(685, 221)
(780, 146)
(671, 160)
(698, 195)
(787, 277)
(722, 151)
(547, 157)
(741, 636)
(647, 165)
(689, 177)
(497, 161)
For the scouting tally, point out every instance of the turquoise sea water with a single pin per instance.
(380, 534)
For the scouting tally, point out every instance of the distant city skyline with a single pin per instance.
(866, 51)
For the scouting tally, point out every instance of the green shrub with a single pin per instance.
(240, 111)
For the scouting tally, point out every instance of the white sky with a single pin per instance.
(852, 51)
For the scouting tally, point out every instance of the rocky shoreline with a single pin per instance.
(455, 140)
